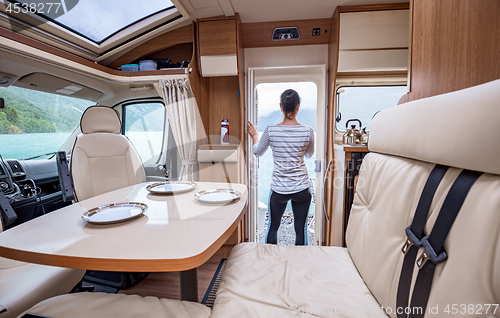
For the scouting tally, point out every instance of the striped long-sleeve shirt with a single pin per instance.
(290, 144)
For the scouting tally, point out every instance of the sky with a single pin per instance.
(268, 95)
(98, 19)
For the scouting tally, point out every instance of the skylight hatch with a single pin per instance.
(97, 20)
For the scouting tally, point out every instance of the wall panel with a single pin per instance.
(174, 37)
(333, 58)
(455, 44)
(260, 34)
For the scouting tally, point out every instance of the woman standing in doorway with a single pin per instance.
(290, 143)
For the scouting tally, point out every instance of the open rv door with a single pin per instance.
(251, 218)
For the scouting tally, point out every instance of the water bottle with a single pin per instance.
(224, 132)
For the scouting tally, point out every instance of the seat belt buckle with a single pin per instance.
(406, 246)
(430, 254)
(411, 240)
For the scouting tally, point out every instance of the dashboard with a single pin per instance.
(31, 187)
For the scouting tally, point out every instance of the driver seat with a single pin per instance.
(102, 159)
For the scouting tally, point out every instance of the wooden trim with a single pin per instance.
(410, 41)
(376, 49)
(63, 54)
(218, 147)
(200, 86)
(174, 37)
(333, 57)
(351, 148)
(196, 26)
(242, 93)
(218, 18)
(129, 265)
(171, 71)
(372, 74)
(404, 99)
(374, 7)
(260, 34)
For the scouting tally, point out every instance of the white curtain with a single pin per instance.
(182, 113)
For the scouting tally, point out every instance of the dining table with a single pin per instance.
(177, 232)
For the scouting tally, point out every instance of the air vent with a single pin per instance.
(15, 167)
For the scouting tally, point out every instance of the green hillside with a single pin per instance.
(28, 111)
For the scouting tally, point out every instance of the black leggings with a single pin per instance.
(300, 207)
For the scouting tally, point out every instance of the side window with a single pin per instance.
(362, 102)
(143, 125)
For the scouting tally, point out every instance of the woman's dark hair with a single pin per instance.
(289, 100)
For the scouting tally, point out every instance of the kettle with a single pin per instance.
(352, 135)
(364, 136)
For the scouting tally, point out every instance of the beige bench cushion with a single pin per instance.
(22, 285)
(262, 280)
(387, 195)
(97, 305)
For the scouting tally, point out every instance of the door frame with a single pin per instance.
(258, 75)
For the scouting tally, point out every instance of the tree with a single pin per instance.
(12, 115)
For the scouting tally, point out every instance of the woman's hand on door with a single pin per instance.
(251, 129)
(253, 132)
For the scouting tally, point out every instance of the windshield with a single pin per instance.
(34, 123)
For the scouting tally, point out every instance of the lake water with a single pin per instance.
(21, 146)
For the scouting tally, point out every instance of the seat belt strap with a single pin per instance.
(433, 244)
(414, 234)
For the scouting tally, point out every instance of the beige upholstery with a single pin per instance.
(22, 285)
(103, 160)
(269, 279)
(458, 129)
(100, 119)
(388, 192)
(262, 280)
(100, 305)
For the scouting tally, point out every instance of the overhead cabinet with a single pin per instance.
(217, 47)
(374, 41)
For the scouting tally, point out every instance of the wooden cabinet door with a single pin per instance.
(217, 37)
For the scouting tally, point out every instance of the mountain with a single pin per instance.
(305, 117)
(29, 111)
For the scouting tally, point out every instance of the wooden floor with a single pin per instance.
(167, 285)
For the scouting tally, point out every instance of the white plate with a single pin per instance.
(114, 213)
(170, 187)
(217, 195)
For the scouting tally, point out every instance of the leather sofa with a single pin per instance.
(406, 143)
